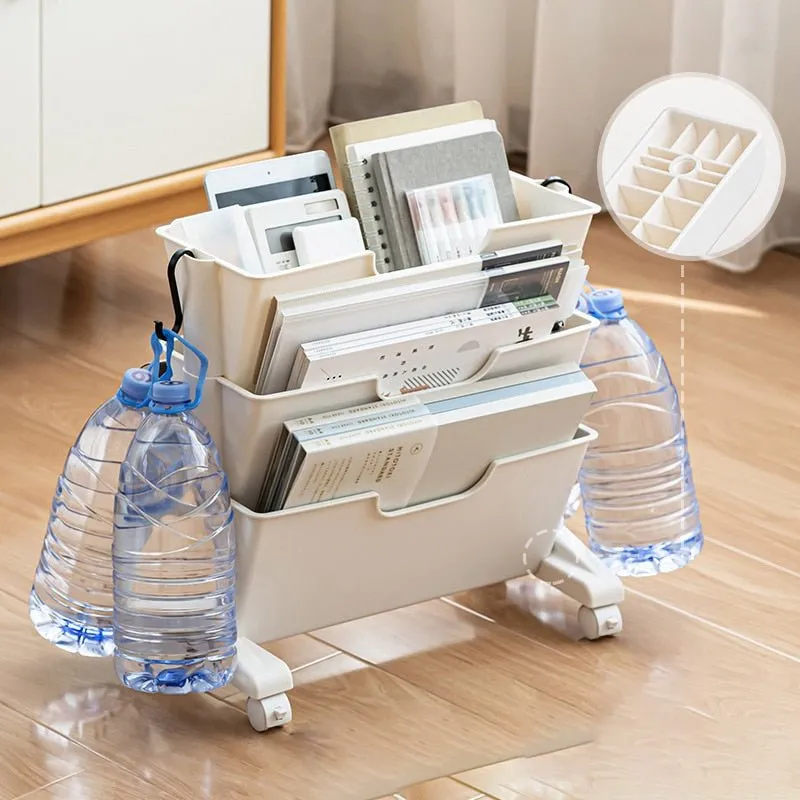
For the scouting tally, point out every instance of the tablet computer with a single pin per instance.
(273, 179)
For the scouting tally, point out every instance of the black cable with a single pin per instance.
(555, 179)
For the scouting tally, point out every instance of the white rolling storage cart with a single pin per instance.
(306, 568)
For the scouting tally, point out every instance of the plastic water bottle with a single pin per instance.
(174, 554)
(71, 600)
(636, 483)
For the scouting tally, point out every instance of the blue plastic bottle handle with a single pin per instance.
(171, 337)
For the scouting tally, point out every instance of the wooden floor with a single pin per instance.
(698, 698)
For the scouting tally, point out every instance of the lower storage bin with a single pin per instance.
(303, 569)
(306, 568)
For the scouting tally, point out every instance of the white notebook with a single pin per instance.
(388, 304)
(362, 177)
(428, 354)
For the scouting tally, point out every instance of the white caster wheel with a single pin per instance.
(598, 622)
(269, 712)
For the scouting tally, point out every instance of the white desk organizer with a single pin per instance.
(685, 181)
(306, 568)
(226, 309)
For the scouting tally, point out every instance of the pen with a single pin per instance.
(421, 221)
(438, 227)
(465, 218)
(452, 228)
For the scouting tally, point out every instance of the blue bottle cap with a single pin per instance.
(606, 304)
(170, 393)
(135, 384)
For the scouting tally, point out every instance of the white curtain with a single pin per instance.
(551, 72)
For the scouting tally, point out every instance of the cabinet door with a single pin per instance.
(135, 90)
(19, 105)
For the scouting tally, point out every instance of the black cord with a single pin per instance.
(555, 179)
(559, 326)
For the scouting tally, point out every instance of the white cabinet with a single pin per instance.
(131, 91)
(111, 112)
(19, 105)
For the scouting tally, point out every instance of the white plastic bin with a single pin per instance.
(226, 309)
(245, 426)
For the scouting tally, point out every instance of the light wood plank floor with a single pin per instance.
(486, 695)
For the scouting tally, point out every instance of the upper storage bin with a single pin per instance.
(545, 213)
(226, 310)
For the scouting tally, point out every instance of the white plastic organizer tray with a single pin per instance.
(226, 308)
(685, 181)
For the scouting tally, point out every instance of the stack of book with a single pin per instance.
(422, 447)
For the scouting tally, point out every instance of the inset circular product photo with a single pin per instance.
(691, 166)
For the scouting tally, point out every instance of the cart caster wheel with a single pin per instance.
(596, 623)
(269, 712)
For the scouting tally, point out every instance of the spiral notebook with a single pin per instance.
(361, 173)
(420, 119)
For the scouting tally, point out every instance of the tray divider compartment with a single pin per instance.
(634, 201)
(658, 236)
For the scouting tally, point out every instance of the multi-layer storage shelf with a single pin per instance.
(305, 568)
(685, 182)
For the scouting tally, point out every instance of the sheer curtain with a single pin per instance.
(551, 72)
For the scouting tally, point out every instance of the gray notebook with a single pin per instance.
(399, 171)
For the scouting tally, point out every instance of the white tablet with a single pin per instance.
(274, 179)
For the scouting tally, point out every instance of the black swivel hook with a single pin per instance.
(177, 309)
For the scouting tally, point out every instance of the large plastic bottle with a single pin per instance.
(71, 599)
(174, 554)
(636, 483)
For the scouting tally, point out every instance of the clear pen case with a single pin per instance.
(451, 219)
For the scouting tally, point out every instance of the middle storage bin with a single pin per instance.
(246, 426)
